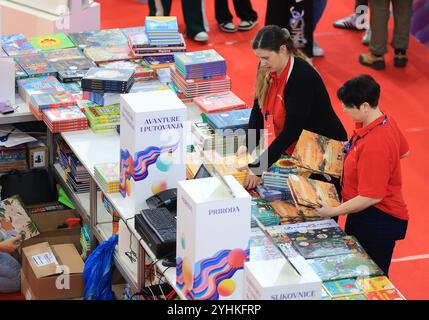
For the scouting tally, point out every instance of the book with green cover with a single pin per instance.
(342, 287)
(344, 266)
(52, 42)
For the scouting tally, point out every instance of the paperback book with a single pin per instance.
(342, 287)
(17, 44)
(35, 65)
(51, 42)
(52, 100)
(107, 174)
(99, 38)
(108, 54)
(31, 86)
(216, 102)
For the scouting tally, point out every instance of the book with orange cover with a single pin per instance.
(319, 154)
(306, 192)
(389, 294)
(375, 284)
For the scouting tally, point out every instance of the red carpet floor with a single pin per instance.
(404, 96)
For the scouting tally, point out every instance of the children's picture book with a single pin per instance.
(63, 54)
(31, 86)
(287, 211)
(375, 283)
(15, 221)
(131, 31)
(157, 62)
(17, 44)
(359, 296)
(99, 38)
(319, 154)
(35, 65)
(52, 42)
(344, 266)
(321, 248)
(388, 294)
(235, 119)
(342, 287)
(285, 165)
(223, 101)
(52, 100)
(108, 54)
(157, 23)
(140, 67)
(112, 75)
(72, 64)
(306, 192)
(299, 234)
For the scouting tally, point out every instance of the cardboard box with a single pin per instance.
(152, 155)
(37, 155)
(48, 222)
(213, 236)
(282, 282)
(52, 271)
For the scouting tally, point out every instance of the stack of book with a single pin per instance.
(141, 46)
(206, 138)
(197, 87)
(159, 62)
(103, 118)
(78, 177)
(162, 31)
(107, 175)
(35, 65)
(108, 54)
(30, 86)
(141, 69)
(108, 80)
(113, 212)
(219, 102)
(203, 64)
(271, 194)
(276, 181)
(65, 119)
(43, 101)
(230, 122)
(13, 158)
(285, 165)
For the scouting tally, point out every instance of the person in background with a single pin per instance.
(319, 7)
(402, 12)
(193, 12)
(243, 9)
(290, 97)
(10, 269)
(354, 23)
(372, 185)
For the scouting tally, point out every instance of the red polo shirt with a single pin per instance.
(372, 166)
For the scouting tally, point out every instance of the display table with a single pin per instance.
(37, 18)
(22, 113)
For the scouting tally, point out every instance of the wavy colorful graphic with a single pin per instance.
(210, 275)
(138, 169)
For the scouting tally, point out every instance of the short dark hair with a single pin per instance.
(359, 90)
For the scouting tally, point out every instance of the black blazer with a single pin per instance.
(308, 106)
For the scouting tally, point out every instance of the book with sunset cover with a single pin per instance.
(319, 154)
(306, 192)
(54, 41)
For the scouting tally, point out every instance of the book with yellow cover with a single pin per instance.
(375, 284)
(319, 154)
(306, 192)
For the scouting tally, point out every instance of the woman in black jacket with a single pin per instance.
(290, 97)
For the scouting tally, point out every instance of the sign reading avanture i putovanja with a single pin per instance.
(152, 151)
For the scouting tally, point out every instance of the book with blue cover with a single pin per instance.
(17, 44)
(164, 24)
(328, 247)
(131, 31)
(35, 65)
(234, 119)
(200, 64)
(30, 86)
(63, 54)
(342, 287)
(99, 38)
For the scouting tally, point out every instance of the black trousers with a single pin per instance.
(243, 10)
(377, 232)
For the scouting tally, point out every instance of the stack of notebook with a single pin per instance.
(108, 80)
(65, 119)
(103, 119)
(217, 102)
(107, 174)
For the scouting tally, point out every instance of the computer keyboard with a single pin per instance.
(161, 222)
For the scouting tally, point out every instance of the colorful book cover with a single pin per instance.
(198, 57)
(14, 220)
(344, 266)
(63, 54)
(140, 67)
(352, 297)
(17, 44)
(285, 165)
(307, 234)
(131, 31)
(30, 86)
(219, 102)
(342, 287)
(53, 100)
(157, 23)
(51, 42)
(19, 72)
(375, 284)
(72, 64)
(319, 154)
(108, 54)
(321, 248)
(388, 294)
(159, 61)
(35, 65)
(306, 192)
(105, 74)
(62, 114)
(99, 38)
(109, 172)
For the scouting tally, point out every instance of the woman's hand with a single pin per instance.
(326, 211)
(10, 245)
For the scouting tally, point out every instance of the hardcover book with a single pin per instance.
(157, 23)
(306, 192)
(111, 75)
(63, 54)
(375, 284)
(344, 266)
(389, 294)
(99, 38)
(51, 42)
(223, 101)
(140, 67)
(319, 154)
(17, 44)
(52, 100)
(235, 119)
(14, 220)
(31, 86)
(35, 65)
(108, 54)
(322, 248)
(342, 287)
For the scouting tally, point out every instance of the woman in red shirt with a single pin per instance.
(372, 185)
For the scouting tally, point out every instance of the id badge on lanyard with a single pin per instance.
(269, 134)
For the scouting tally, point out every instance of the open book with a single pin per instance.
(15, 221)
(319, 154)
(306, 192)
